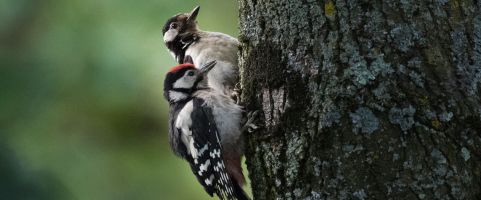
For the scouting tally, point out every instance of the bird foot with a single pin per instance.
(236, 93)
(250, 126)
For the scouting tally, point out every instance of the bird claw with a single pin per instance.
(250, 126)
(237, 86)
(236, 93)
(236, 96)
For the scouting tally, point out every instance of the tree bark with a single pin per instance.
(363, 99)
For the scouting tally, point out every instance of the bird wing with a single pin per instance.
(206, 152)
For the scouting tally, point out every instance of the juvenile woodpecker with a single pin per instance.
(204, 129)
(188, 44)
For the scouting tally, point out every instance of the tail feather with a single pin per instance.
(239, 193)
(232, 191)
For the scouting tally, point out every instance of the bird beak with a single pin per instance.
(207, 67)
(193, 15)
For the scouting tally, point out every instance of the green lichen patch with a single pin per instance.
(363, 119)
(403, 117)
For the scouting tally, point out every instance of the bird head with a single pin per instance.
(179, 24)
(184, 79)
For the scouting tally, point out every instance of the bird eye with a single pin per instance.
(173, 25)
(190, 73)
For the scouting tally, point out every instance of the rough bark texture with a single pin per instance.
(363, 99)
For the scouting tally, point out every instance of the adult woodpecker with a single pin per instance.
(205, 130)
(188, 44)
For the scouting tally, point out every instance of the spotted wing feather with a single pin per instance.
(207, 162)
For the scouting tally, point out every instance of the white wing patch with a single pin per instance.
(204, 167)
(215, 153)
(208, 181)
(203, 149)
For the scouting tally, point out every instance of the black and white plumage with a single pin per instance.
(204, 129)
(188, 44)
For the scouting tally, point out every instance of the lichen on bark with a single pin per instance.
(363, 99)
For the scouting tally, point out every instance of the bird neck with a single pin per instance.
(181, 43)
(176, 94)
(175, 47)
(179, 95)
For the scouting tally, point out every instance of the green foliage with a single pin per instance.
(82, 112)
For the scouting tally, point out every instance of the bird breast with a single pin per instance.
(227, 115)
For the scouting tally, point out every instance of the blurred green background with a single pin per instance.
(82, 114)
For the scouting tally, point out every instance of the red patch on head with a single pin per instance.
(181, 66)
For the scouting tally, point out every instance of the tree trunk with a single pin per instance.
(363, 99)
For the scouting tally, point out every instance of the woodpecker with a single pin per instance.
(188, 44)
(205, 130)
